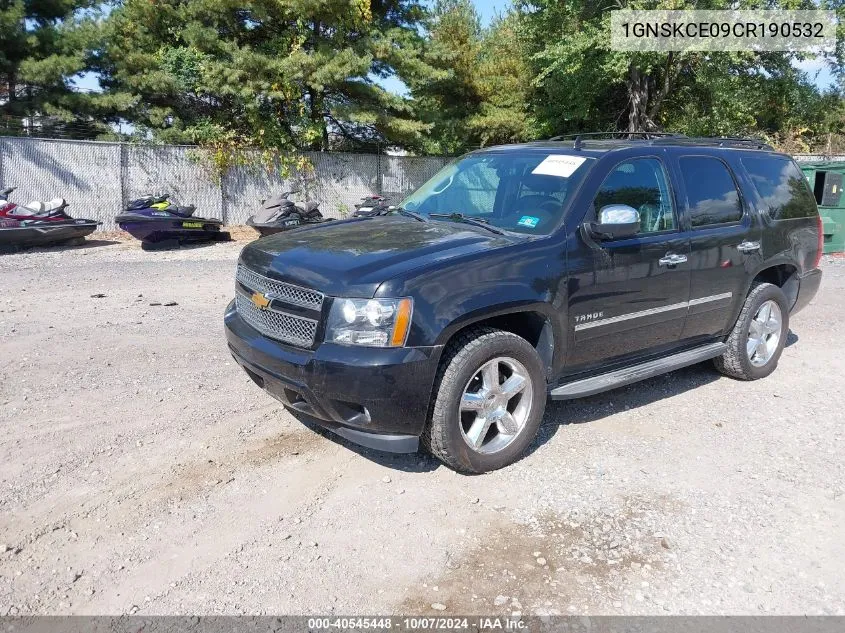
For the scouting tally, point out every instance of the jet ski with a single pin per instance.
(4, 199)
(40, 224)
(148, 201)
(279, 214)
(370, 206)
(159, 223)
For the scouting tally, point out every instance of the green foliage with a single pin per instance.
(478, 94)
(447, 97)
(503, 84)
(184, 65)
(43, 44)
(282, 75)
(581, 84)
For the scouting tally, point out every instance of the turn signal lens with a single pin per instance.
(402, 323)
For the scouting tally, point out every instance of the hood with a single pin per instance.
(351, 258)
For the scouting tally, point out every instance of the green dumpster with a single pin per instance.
(826, 181)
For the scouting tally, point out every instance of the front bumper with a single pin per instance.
(375, 397)
(808, 286)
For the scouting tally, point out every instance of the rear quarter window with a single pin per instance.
(783, 190)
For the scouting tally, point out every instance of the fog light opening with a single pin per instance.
(293, 397)
(352, 412)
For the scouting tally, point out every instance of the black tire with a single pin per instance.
(735, 362)
(462, 359)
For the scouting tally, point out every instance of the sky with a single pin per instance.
(488, 9)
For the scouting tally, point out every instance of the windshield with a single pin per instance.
(523, 192)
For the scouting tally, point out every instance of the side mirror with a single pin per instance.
(616, 221)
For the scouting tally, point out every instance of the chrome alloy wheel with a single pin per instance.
(495, 405)
(764, 333)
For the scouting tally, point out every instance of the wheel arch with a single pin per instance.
(784, 275)
(530, 323)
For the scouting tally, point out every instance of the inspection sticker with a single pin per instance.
(528, 220)
(559, 165)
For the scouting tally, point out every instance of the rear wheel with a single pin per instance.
(759, 336)
(489, 401)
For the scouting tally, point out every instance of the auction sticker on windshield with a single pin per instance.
(559, 165)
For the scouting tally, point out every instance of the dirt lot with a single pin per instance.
(141, 471)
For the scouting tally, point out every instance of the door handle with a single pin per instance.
(748, 247)
(672, 260)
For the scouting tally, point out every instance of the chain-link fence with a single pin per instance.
(98, 179)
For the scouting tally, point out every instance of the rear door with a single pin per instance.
(628, 297)
(788, 208)
(725, 235)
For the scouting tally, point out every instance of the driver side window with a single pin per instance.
(640, 183)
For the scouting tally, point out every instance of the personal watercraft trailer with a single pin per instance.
(161, 224)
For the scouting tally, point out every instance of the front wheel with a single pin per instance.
(490, 395)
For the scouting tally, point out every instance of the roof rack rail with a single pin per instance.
(612, 134)
(581, 136)
(669, 138)
(738, 142)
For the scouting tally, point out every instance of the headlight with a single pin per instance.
(370, 322)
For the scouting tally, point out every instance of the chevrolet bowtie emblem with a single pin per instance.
(261, 301)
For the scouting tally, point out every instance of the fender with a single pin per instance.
(484, 313)
(525, 277)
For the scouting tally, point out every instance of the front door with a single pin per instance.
(630, 295)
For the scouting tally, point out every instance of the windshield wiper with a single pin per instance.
(410, 214)
(466, 219)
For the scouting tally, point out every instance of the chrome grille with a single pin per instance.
(281, 326)
(279, 289)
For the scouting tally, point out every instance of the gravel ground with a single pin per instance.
(142, 472)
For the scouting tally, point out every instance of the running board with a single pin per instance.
(628, 375)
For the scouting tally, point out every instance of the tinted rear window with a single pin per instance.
(711, 192)
(783, 189)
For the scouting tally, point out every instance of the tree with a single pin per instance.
(43, 45)
(273, 73)
(581, 84)
(504, 86)
(449, 96)
(480, 94)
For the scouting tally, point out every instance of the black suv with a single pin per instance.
(553, 269)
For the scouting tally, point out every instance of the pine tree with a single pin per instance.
(448, 97)
(43, 45)
(272, 73)
(503, 81)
